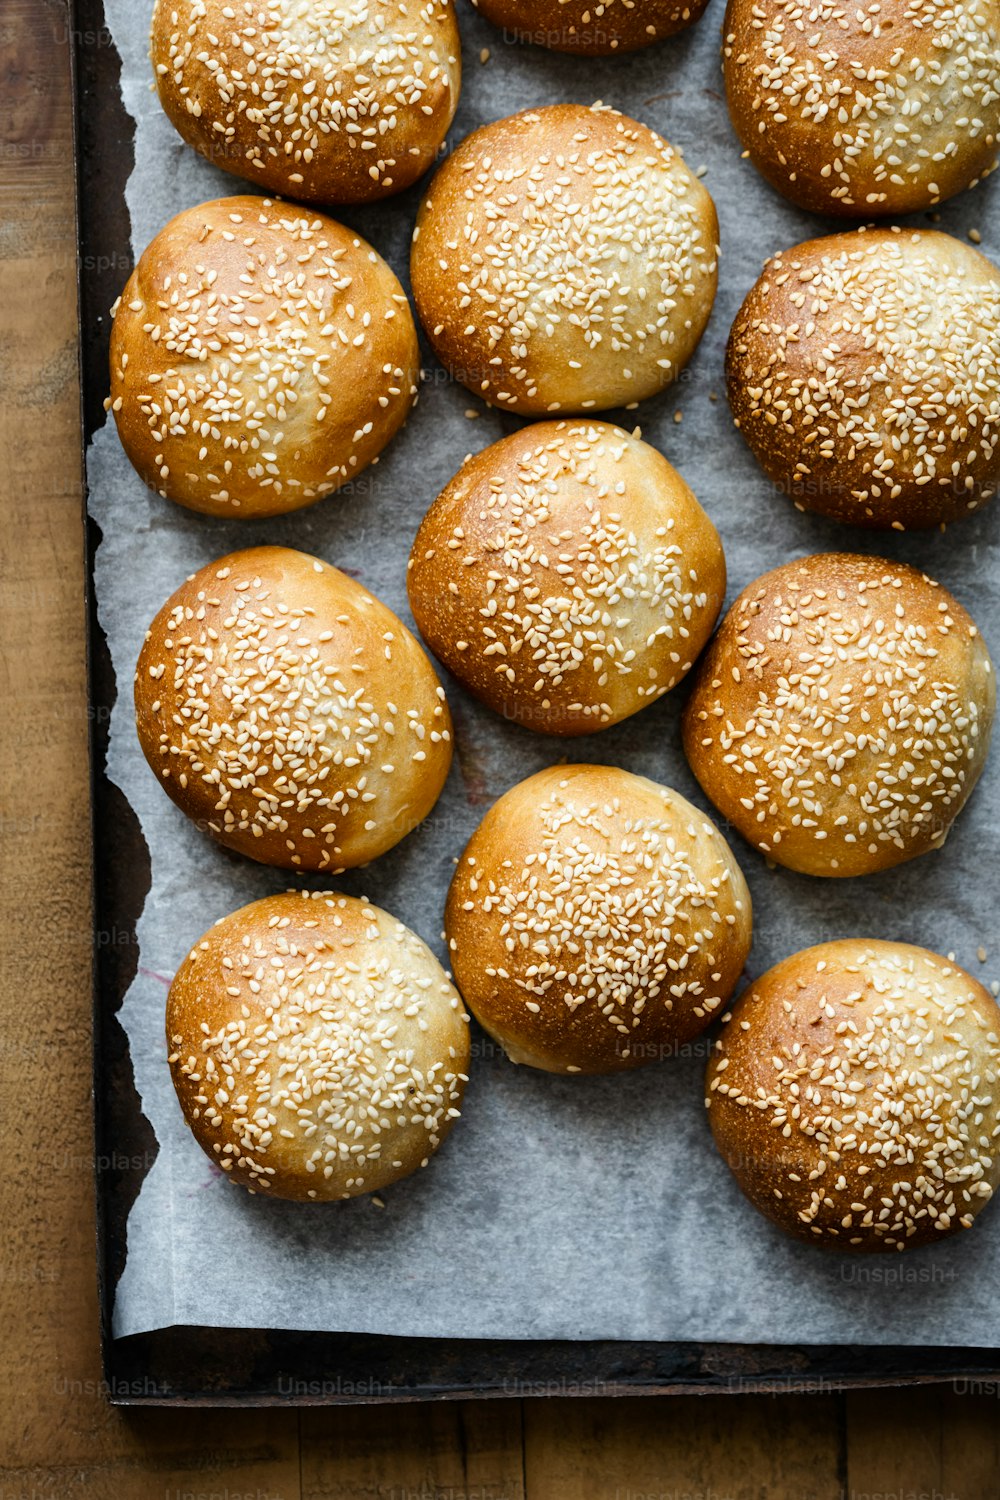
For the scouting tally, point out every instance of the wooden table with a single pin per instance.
(58, 1436)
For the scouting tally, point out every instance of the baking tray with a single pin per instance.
(211, 1366)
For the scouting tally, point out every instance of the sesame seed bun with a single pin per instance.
(567, 576)
(596, 921)
(842, 714)
(595, 30)
(878, 109)
(289, 713)
(863, 371)
(564, 260)
(854, 1092)
(261, 356)
(319, 100)
(316, 1046)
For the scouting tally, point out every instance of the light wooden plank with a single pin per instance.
(58, 1435)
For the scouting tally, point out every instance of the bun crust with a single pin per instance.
(864, 111)
(289, 713)
(317, 1048)
(592, 30)
(261, 356)
(842, 714)
(596, 921)
(567, 576)
(864, 373)
(854, 1093)
(564, 260)
(326, 102)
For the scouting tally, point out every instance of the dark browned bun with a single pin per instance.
(863, 371)
(854, 1092)
(842, 714)
(289, 713)
(317, 1048)
(319, 100)
(261, 356)
(567, 576)
(596, 921)
(564, 260)
(886, 108)
(594, 30)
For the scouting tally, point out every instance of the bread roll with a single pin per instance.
(864, 372)
(564, 260)
(864, 110)
(842, 715)
(316, 1046)
(855, 1094)
(567, 576)
(289, 713)
(593, 30)
(596, 921)
(261, 356)
(334, 103)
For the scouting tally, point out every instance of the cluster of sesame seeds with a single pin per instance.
(884, 1100)
(625, 912)
(274, 719)
(576, 258)
(329, 1062)
(282, 84)
(238, 350)
(876, 355)
(881, 99)
(569, 599)
(857, 728)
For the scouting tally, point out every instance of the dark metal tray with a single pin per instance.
(232, 1366)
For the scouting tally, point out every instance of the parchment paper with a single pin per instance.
(559, 1208)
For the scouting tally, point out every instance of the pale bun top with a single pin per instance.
(290, 713)
(564, 260)
(261, 356)
(842, 714)
(596, 921)
(317, 1048)
(567, 576)
(331, 101)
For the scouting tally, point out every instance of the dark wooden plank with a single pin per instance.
(939, 1444)
(444, 1451)
(740, 1448)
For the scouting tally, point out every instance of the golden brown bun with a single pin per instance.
(316, 1046)
(261, 356)
(595, 30)
(564, 259)
(842, 714)
(289, 713)
(855, 1095)
(567, 576)
(864, 110)
(864, 372)
(596, 921)
(325, 101)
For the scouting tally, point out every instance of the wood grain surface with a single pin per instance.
(58, 1435)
